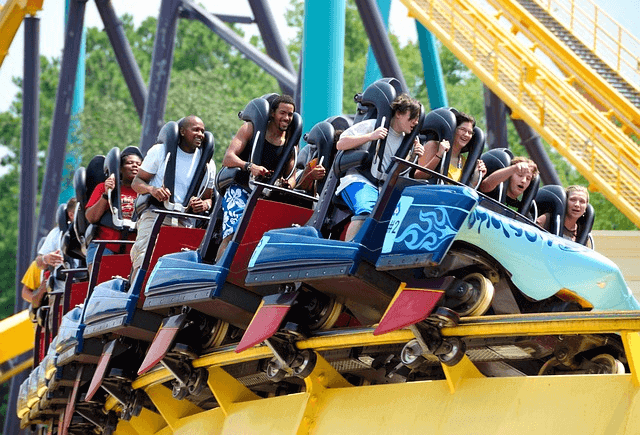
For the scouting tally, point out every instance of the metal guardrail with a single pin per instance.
(596, 146)
(602, 34)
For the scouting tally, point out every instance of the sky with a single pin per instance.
(626, 12)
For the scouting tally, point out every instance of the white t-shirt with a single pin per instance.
(156, 163)
(394, 140)
(51, 242)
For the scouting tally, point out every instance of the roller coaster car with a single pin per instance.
(111, 307)
(344, 271)
(477, 253)
(189, 279)
(114, 306)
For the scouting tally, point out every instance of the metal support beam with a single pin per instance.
(323, 60)
(276, 49)
(272, 67)
(61, 117)
(432, 68)
(161, 62)
(28, 151)
(496, 114)
(124, 55)
(28, 189)
(533, 144)
(379, 40)
(372, 73)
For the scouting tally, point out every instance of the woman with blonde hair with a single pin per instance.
(577, 202)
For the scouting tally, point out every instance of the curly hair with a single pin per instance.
(403, 103)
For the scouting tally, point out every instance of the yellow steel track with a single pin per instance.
(587, 137)
(465, 402)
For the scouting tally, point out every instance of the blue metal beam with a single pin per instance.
(323, 60)
(432, 68)
(161, 62)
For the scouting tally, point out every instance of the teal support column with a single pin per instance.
(322, 60)
(372, 73)
(432, 68)
(73, 159)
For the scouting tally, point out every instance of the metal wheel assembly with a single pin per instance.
(454, 349)
(480, 295)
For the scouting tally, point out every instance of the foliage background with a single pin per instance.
(214, 81)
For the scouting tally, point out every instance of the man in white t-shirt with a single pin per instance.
(49, 254)
(358, 191)
(150, 179)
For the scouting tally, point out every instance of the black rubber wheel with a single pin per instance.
(455, 353)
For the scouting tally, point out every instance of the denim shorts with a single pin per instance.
(360, 197)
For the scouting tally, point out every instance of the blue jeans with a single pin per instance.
(360, 197)
(91, 253)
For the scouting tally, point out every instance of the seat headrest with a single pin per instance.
(112, 164)
(585, 223)
(475, 148)
(552, 199)
(256, 112)
(375, 101)
(61, 217)
(94, 175)
(80, 185)
(495, 159)
(321, 135)
(339, 122)
(169, 133)
(441, 122)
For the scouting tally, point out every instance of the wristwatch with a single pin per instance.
(247, 166)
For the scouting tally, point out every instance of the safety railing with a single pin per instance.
(584, 136)
(605, 96)
(602, 34)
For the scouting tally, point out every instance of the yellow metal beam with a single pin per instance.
(147, 423)
(11, 16)
(596, 146)
(571, 65)
(172, 410)
(465, 369)
(321, 378)
(227, 390)
(16, 336)
(24, 365)
(515, 405)
(631, 341)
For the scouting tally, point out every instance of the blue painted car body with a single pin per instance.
(108, 299)
(421, 228)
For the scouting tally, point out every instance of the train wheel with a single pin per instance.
(274, 371)
(332, 314)
(217, 334)
(482, 292)
(608, 364)
(455, 349)
(446, 317)
(411, 355)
